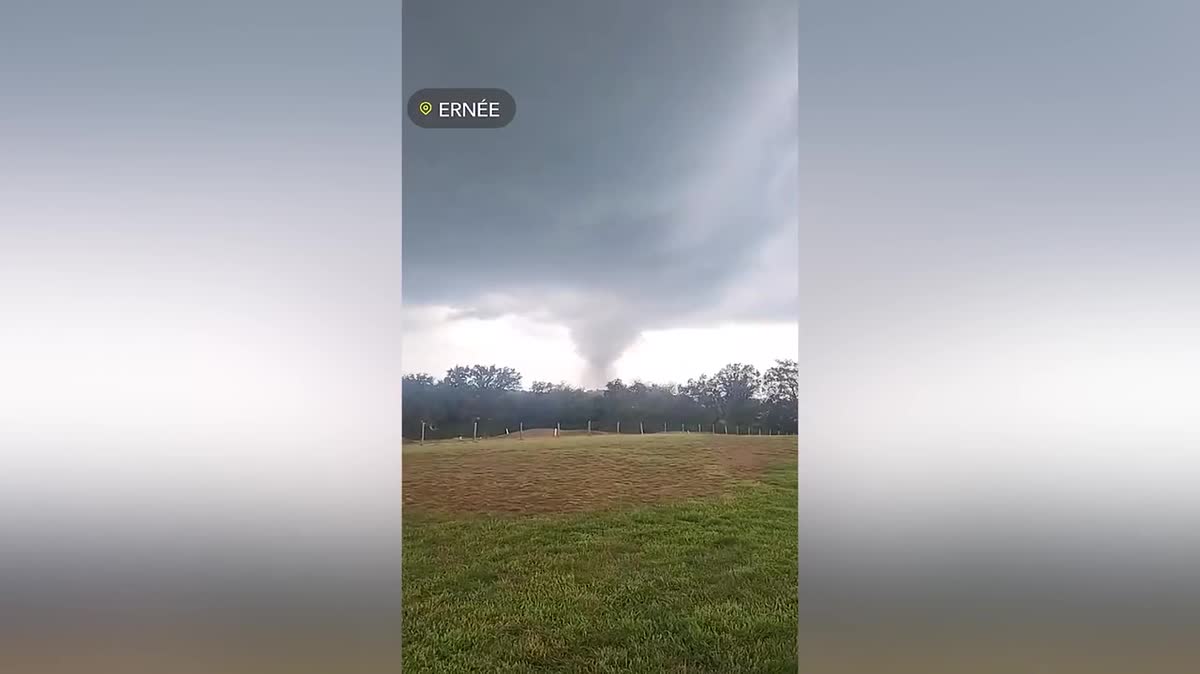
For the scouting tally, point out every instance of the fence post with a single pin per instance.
(522, 430)
(726, 428)
(589, 426)
(737, 430)
(641, 428)
(618, 427)
(422, 431)
(475, 431)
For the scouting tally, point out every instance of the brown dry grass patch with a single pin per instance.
(581, 473)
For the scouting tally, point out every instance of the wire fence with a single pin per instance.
(482, 430)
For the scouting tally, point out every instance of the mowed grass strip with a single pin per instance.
(580, 473)
(706, 583)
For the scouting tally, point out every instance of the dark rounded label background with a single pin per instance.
(507, 108)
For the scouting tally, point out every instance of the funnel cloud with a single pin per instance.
(601, 341)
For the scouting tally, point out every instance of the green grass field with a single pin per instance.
(657, 553)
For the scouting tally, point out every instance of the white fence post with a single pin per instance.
(522, 430)
(475, 431)
(422, 431)
(641, 428)
(589, 426)
(618, 427)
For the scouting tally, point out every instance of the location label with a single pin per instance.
(461, 108)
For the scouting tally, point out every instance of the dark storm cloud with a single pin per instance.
(651, 159)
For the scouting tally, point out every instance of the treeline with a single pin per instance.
(737, 396)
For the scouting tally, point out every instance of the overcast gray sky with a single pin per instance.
(647, 184)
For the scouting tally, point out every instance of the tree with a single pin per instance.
(703, 393)
(781, 383)
(733, 388)
(419, 379)
(484, 377)
(458, 376)
(419, 399)
(492, 378)
(781, 389)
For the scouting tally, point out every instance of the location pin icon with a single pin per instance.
(425, 107)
